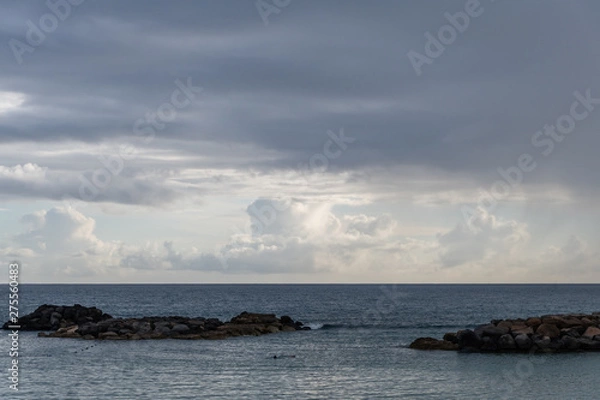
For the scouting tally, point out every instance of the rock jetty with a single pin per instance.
(545, 334)
(90, 323)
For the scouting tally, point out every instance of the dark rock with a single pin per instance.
(506, 342)
(488, 343)
(556, 344)
(89, 328)
(570, 342)
(451, 337)
(428, 343)
(248, 318)
(542, 342)
(588, 344)
(468, 340)
(49, 317)
(572, 332)
(491, 330)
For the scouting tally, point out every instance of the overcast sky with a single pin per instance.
(300, 141)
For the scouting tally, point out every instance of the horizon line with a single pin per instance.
(306, 283)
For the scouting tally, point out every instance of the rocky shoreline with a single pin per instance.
(545, 334)
(90, 323)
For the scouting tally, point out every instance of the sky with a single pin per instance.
(288, 141)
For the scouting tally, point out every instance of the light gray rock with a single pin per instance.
(523, 342)
(180, 328)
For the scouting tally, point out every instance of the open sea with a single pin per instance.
(357, 349)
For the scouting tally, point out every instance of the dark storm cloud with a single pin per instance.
(316, 66)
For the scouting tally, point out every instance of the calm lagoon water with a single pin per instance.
(358, 349)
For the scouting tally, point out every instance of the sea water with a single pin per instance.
(356, 350)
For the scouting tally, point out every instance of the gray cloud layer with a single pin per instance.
(316, 66)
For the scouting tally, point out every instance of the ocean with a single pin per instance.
(356, 350)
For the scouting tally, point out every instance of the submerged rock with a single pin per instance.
(428, 343)
(91, 323)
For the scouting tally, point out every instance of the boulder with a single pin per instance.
(554, 320)
(542, 342)
(523, 341)
(105, 335)
(488, 343)
(180, 328)
(522, 330)
(505, 324)
(141, 327)
(506, 342)
(573, 332)
(89, 328)
(249, 318)
(534, 322)
(491, 330)
(548, 330)
(270, 329)
(468, 340)
(451, 337)
(162, 330)
(570, 342)
(591, 332)
(570, 322)
(55, 319)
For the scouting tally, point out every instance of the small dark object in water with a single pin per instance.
(284, 356)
